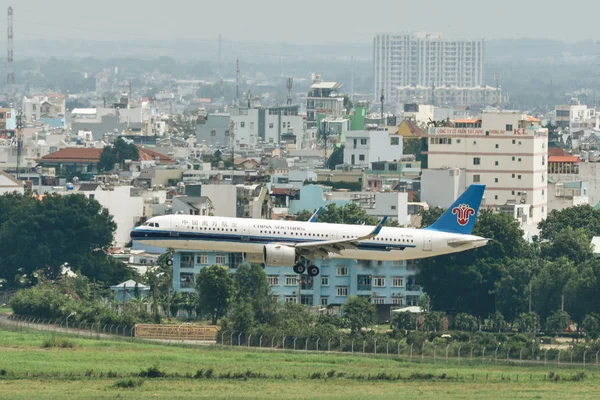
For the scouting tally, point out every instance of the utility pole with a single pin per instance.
(232, 140)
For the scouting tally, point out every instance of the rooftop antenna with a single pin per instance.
(498, 95)
(290, 85)
(249, 97)
(382, 98)
(232, 138)
(10, 77)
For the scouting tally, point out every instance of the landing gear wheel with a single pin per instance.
(299, 269)
(169, 262)
(313, 270)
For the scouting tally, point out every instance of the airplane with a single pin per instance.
(298, 244)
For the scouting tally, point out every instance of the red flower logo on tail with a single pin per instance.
(463, 213)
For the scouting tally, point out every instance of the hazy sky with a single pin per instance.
(303, 22)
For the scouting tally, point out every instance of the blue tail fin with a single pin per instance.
(460, 217)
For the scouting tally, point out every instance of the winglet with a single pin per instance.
(377, 229)
(313, 218)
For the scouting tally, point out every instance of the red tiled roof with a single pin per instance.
(555, 151)
(151, 155)
(564, 159)
(73, 154)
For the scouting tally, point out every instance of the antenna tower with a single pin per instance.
(19, 137)
(10, 77)
(232, 139)
(498, 95)
(290, 85)
(382, 98)
(237, 82)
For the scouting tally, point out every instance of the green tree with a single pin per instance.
(465, 322)
(547, 286)
(591, 325)
(242, 317)
(117, 153)
(215, 287)
(557, 322)
(428, 217)
(573, 244)
(253, 288)
(496, 321)
(336, 158)
(433, 321)
(404, 321)
(580, 217)
(582, 290)
(528, 322)
(512, 289)
(359, 313)
(466, 282)
(86, 232)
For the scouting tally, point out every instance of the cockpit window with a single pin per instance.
(156, 225)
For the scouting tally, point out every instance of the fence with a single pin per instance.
(430, 352)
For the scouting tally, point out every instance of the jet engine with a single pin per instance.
(276, 255)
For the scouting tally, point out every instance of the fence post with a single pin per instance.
(364, 345)
(472, 353)
(283, 343)
(306, 344)
(507, 355)
(273, 342)
(222, 336)
(295, 343)
(231, 338)
(353, 345)
(521, 357)
(571, 356)
(260, 342)
(584, 354)
(459, 347)
(423, 352)
(341, 338)
(240, 339)
(329, 345)
(387, 348)
(434, 353)
(318, 343)
(249, 338)
(558, 359)
(597, 358)
(496, 353)
(483, 355)
(411, 350)
(375, 346)
(546, 357)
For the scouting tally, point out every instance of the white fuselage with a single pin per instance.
(243, 235)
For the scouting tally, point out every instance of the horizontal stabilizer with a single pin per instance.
(459, 242)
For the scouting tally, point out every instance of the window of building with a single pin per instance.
(476, 178)
(397, 281)
(324, 281)
(519, 159)
(394, 140)
(92, 197)
(497, 146)
(509, 127)
(186, 280)
(496, 163)
(476, 161)
(361, 157)
(363, 282)
(291, 299)
(324, 301)
(342, 290)
(519, 177)
(291, 280)
(270, 140)
(495, 180)
(242, 124)
(379, 281)
(307, 299)
(273, 280)
(342, 271)
(513, 175)
(363, 141)
(513, 159)
(221, 259)
(378, 300)
(543, 160)
(397, 300)
(514, 141)
(274, 299)
(186, 260)
(496, 197)
(271, 125)
(202, 258)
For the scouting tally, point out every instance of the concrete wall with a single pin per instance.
(214, 131)
(441, 187)
(224, 199)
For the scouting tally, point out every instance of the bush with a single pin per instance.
(61, 343)
(43, 301)
(129, 383)
(152, 372)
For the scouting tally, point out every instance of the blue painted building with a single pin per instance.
(384, 282)
(312, 197)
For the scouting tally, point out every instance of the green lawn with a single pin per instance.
(92, 367)
(5, 310)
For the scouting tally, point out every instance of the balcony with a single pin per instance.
(364, 287)
(413, 288)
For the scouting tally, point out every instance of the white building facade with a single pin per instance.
(505, 150)
(450, 95)
(425, 59)
(364, 147)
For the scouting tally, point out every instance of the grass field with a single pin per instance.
(88, 368)
(5, 310)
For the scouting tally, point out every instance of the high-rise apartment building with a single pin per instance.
(424, 59)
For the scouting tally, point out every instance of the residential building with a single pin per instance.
(192, 205)
(223, 198)
(505, 150)
(130, 290)
(213, 130)
(563, 195)
(9, 184)
(47, 106)
(386, 284)
(323, 98)
(311, 197)
(365, 147)
(563, 164)
(575, 116)
(451, 95)
(441, 187)
(254, 125)
(424, 59)
(8, 119)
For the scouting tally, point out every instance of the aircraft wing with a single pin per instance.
(325, 247)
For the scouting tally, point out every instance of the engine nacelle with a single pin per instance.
(254, 258)
(276, 255)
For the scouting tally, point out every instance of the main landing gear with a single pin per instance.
(311, 270)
